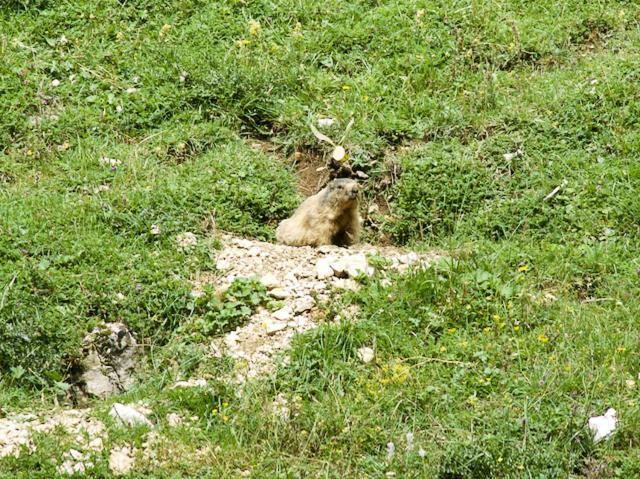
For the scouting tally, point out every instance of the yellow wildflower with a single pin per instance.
(243, 42)
(543, 338)
(524, 268)
(452, 330)
(165, 29)
(254, 28)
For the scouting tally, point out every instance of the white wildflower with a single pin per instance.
(391, 450)
(409, 438)
(110, 161)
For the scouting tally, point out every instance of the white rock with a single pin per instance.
(279, 293)
(75, 454)
(270, 281)
(353, 265)
(55, 83)
(325, 122)
(69, 467)
(174, 419)
(128, 415)
(346, 283)
(303, 304)
(409, 258)
(366, 354)
(191, 383)
(223, 264)
(121, 460)
(95, 444)
(323, 268)
(273, 327)
(155, 230)
(603, 426)
(283, 314)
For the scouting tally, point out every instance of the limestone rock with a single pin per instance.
(270, 281)
(323, 268)
(273, 327)
(279, 293)
(121, 460)
(191, 383)
(128, 415)
(603, 426)
(283, 314)
(303, 304)
(352, 266)
(109, 361)
(366, 354)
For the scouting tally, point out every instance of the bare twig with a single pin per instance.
(556, 190)
(6, 290)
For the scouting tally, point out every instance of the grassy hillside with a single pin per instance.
(504, 132)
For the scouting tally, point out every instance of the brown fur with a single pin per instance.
(328, 217)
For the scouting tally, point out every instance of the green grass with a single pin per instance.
(494, 362)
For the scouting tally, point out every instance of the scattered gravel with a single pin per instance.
(300, 278)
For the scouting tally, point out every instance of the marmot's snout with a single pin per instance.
(349, 188)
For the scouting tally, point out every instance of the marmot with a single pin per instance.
(328, 217)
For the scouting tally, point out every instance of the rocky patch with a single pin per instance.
(299, 278)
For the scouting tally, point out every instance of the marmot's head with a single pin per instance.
(343, 191)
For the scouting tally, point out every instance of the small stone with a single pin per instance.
(409, 258)
(75, 454)
(174, 419)
(283, 314)
(55, 83)
(603, 426)
(323, 268)
(191, 383)
(223, 264)
(346, 283)
(327, 248)
(325, 122)
(128, 415)
(155, 230)
(279, 293)
(121, 460)
(303, 304)
(353, 265)
(270, 281)
(255, 251)
(273, 327)
(366, 354)
(95, 444)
